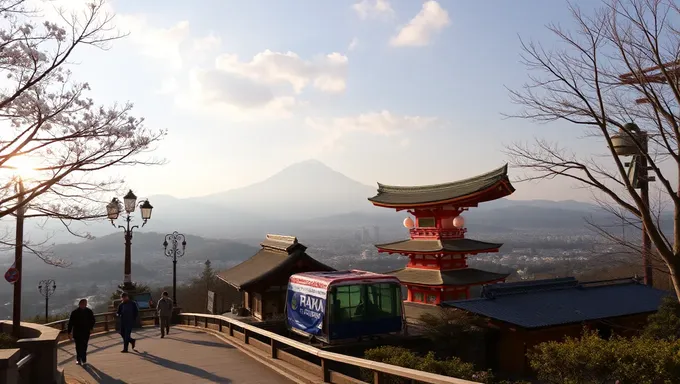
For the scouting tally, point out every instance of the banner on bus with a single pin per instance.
(306, 306)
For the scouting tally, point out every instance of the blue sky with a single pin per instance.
(396, 91)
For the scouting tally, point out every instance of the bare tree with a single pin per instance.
(582, 82)
(47, 120)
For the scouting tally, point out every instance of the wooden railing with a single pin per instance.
(105, 322)
(314, 360)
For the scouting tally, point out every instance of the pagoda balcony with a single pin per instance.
(437, 233)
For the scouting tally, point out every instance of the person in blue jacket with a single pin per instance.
(127, 312)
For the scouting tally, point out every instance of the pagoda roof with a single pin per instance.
(279, 254)
(439, 246)
(468, 192)
(453, 277)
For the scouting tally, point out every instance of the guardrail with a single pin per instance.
(24, 368)
(250, 334)
(105, 322)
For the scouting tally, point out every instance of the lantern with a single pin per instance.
(130, 201)
(113, 209)
(459, 222)
(408, 223)
(624, 142)
(146, 208)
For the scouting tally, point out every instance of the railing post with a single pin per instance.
(206, 322)
(195, 321)
(246, 336)
(106, 323)
(325, 371)
(231, 329)
(220, 326)
(273, 346)
(376, 377)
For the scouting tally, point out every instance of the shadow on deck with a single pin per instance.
(184, 356)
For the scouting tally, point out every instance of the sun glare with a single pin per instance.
(22, 166)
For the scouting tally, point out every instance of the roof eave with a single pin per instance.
(470, 199)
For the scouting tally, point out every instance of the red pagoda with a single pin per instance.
(437, 269)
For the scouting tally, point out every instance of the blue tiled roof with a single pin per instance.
(561, 301)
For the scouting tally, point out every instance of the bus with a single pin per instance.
(344, 305)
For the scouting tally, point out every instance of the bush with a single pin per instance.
(456, 333)
(665, 324)
(593, 360)
(402, 357)
(7, 341)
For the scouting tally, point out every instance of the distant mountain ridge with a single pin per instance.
(301, 191)
(309, 198)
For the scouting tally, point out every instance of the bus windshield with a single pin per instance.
(364, 302)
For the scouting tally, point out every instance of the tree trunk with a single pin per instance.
(674, 269)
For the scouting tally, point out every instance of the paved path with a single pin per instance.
(185, 356)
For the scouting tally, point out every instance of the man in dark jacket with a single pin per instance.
(80, 324)
(127, 312)
(164, 308)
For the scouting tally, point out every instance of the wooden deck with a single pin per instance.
(185, 356)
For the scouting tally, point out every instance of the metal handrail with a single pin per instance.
(376, 367)
(25, 361)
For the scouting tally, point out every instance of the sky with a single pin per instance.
(393, 91)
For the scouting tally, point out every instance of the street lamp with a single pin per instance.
(174, 239)
(631, 141)
(113, 210)
(47, 288)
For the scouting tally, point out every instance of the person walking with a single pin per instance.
(80, 324)
(127, 312)
(164, 309)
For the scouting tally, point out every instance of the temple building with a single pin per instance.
(437, 270)
(262, 280)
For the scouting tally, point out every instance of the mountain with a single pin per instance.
(312, 201)
(302, 191)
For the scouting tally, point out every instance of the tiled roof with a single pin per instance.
(452, 246)
(551, 302)
(466, 276)
(389, 195)
(278, 253)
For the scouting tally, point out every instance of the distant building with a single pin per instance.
(437, 248)
(263, 278)
(528, 313)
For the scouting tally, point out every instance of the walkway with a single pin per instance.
(185, 356)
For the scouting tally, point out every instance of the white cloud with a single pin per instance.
(158, 43)
(353, 44)
(367, 9)
(209, 43)
(383, 123)
(327, 73)
(220, 93)
(418, 32)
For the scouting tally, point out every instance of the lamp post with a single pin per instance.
(631, 141)
(113, 210)
(174, 239)
(18, 252)
(47, 288)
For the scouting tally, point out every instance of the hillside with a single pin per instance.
(97, 266)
